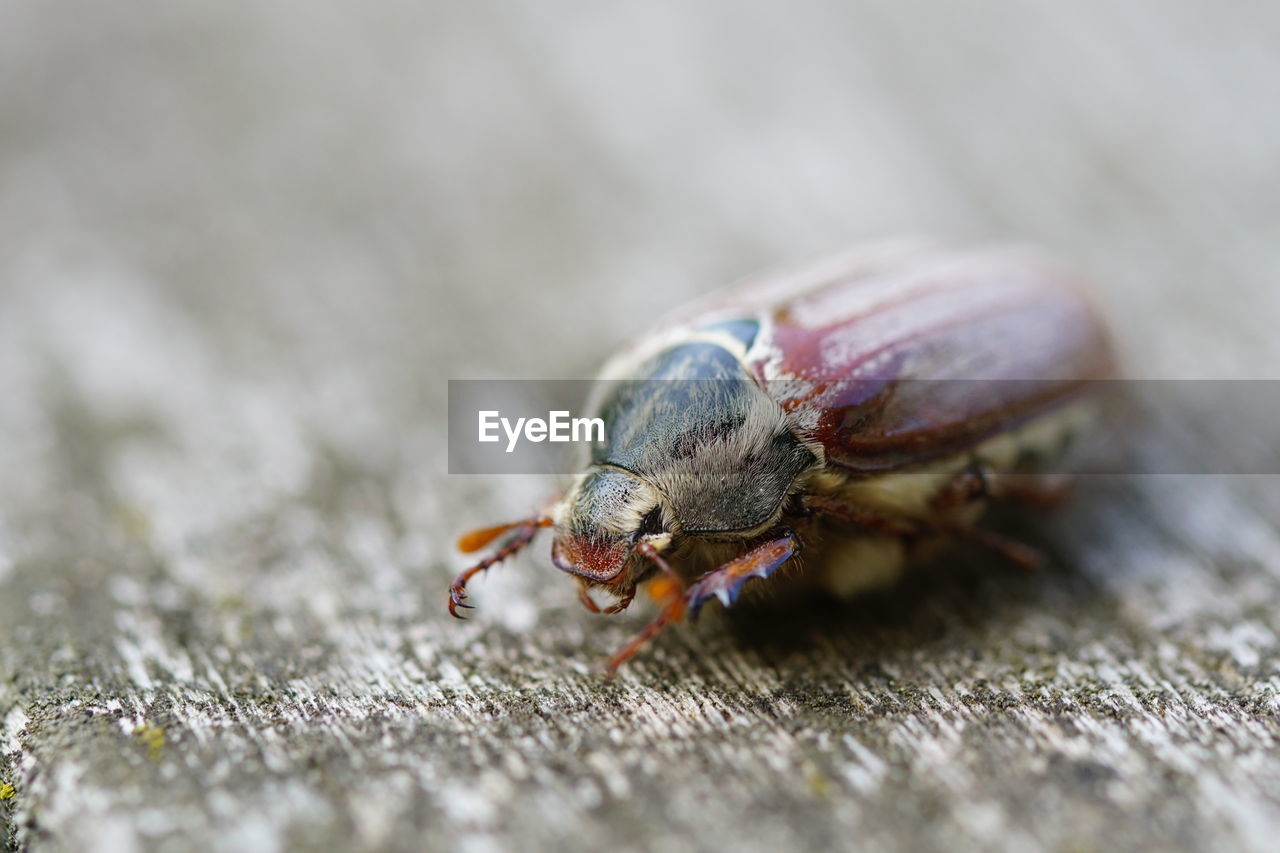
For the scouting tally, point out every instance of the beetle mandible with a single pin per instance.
(895, 390)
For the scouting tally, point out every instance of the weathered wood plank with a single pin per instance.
(243, 248)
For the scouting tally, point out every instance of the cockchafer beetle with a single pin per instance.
(895, 390)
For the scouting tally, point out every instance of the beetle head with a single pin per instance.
(607, 513)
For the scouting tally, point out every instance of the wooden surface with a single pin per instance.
(243, 247)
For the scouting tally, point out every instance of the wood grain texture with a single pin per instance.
(243, 247)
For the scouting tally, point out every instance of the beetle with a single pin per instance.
(894, 391)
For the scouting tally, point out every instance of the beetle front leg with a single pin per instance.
(672, 611)
(724, 583)
(524, 531)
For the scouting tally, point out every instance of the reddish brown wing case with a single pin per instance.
(906, 353)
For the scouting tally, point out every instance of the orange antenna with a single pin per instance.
(476, 539)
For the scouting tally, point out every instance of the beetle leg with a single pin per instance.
(724, 583)
(887, 525)
(622, 603)
(967, 490)
(672, 611)
(910, 528)
(585, 597)
(1022, 556)
(978, 483)
(1043, 491)
(617, 607)
(524, 533)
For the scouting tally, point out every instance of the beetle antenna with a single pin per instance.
(525, 531)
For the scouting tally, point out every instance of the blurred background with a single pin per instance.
(244, 245)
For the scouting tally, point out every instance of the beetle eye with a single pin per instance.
(651, 523)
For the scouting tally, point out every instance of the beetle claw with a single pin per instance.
(457, 598)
